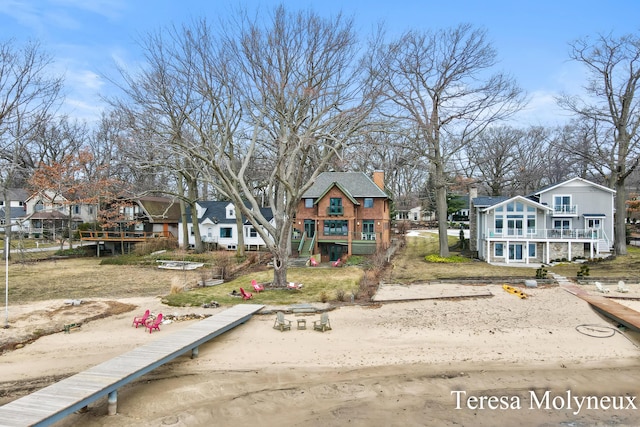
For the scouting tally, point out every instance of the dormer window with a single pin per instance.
(231, 212)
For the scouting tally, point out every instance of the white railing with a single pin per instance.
(565, 209)
(550, 234)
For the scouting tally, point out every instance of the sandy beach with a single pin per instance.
(476, 361)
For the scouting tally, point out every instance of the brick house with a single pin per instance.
(343, 214)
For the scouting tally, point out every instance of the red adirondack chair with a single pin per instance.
(140, 320)
(313, 262)
(258, 288)
(245, 294)
(154, 324)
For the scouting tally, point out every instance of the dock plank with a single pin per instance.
(60, 399)
(620, 313)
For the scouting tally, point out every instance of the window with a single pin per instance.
(561, 224)
(368, 202)
(226, 232)
(335, 206)
(76, 209)
(39, 206)
(499, 225)
(253, 232)
(308, 203)
(336, 228)
(562, 204)
(532, 250)
(498, 250)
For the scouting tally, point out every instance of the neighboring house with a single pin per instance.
(47, 212)
(217, 222)
(17, 209)
(462, 214)
(137, 220)
(415, 214)
(343, 213)
(573, 219)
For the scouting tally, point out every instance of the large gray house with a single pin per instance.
(572, 219)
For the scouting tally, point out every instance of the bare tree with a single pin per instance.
(27, 94)
(287, 93)
(613, 65)
(438, 82)
(493, 154)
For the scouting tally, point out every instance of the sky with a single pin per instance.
(87, 38)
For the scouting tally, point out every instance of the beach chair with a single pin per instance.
(601, 288)
(154, 323)
(294, 286)
(281, 323)
(257, 287)
(322, 324)
(245, 294)
(313, 262)
(622, 287)
(140, 320)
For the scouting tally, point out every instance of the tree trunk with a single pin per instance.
(443, 224)
(620, 241)
(240, 228)
(280, 262)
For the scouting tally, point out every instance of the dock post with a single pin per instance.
(194, 352)
(112, 408)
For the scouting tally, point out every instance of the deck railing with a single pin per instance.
(551, 234)
(121, 235)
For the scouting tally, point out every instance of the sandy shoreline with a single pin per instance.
(388, 364)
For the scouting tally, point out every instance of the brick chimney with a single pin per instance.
(378, 178)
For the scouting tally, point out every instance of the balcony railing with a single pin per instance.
(565, 210)
(551, 234)
(335, 210)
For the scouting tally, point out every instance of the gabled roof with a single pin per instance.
(15, 211)
(554, 186)
(341, 188)
(520, 199)
(484, 201)
(216, 212)
(17, 194)
(352, 184)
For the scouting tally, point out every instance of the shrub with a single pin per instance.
(340, 295)
(324, 297)
(450, 259)
(541, 273)
(584, 271)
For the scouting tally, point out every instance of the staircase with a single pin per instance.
(305, 252)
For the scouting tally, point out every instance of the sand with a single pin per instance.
(476, 361)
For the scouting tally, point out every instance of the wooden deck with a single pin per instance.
(613, 310)
(53, 403)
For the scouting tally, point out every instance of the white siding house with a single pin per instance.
(573, 219)
(217, 222)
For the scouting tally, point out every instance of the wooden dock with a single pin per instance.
(606, 306)
(51, 404)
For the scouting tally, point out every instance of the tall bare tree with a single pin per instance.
(613, 65)
(439, 82)
(286, 93)
(27, 94)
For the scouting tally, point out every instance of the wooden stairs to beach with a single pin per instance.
(51, 404)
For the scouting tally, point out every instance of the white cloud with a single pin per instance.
(111, 9)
